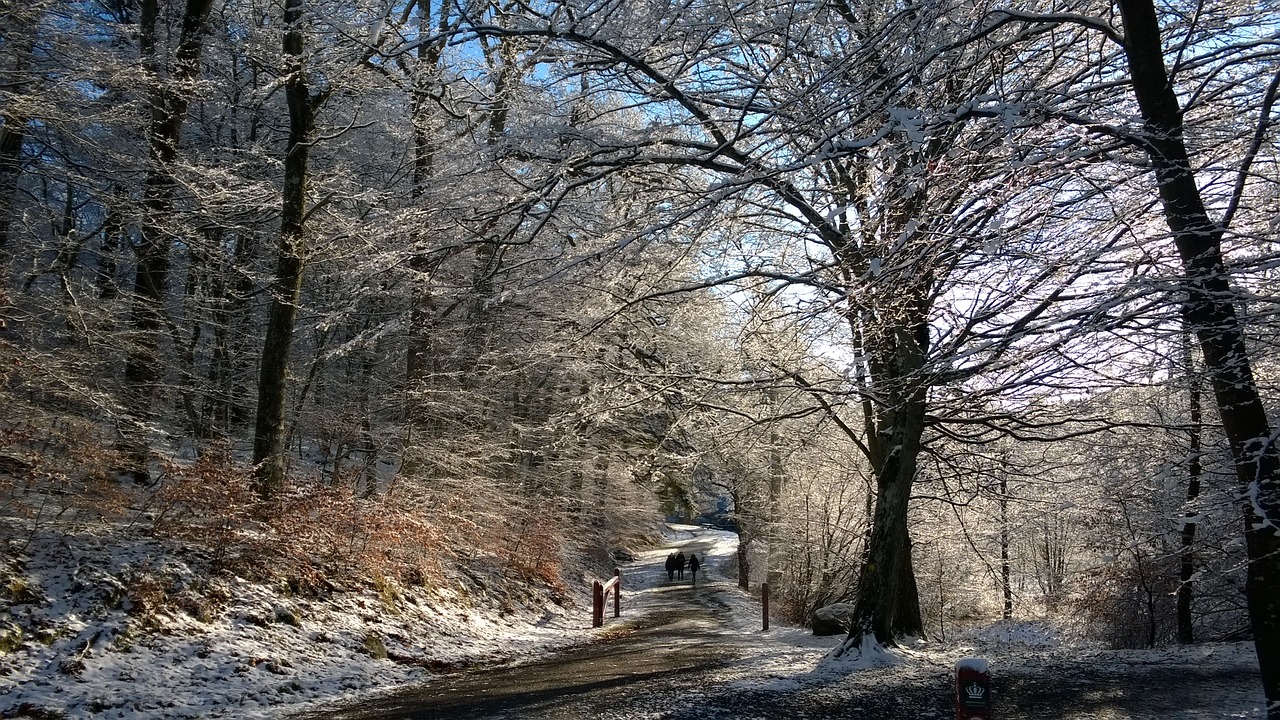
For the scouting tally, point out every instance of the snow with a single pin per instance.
(266, 654)
(98, 654)
(910, 121)
(978, 665)
(1026, 634)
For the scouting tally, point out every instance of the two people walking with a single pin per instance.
(677, 562)
(675, 565)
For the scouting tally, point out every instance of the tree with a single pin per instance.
(1209, 298)
(1210, 313)
(269, 428)
(1195, 472)
(19, 39)
(169, 105)
(295, 245)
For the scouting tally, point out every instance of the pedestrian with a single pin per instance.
(671, 566)
(694, 565)
(680, 564)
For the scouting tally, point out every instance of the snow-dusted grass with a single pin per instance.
(80, 639)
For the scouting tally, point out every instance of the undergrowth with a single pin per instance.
(314, 536)
(58, 478)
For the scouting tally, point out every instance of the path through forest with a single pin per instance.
(649, 665)
(683, 653)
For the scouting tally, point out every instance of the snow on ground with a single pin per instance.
(266, 654)
(77, 644)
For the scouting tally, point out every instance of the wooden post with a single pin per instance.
(764, 603)
(617, 592)
(600, 594)
(597, 604)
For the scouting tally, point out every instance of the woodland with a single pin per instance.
(955, 310)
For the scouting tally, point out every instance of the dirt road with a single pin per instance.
(646, 666)
(682, 660)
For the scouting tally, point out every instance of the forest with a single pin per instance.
(954, 310)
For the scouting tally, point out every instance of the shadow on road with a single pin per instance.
(673, 645)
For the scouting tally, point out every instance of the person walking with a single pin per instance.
(694, 565)
(680, 565)
(671, 566)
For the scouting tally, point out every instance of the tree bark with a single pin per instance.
(421, 360)
(1005, 567)
(12, 135)
(1210, 313)
(887, 603)
(892, 330)
(776, 560)
(269, 438)
(113, 231)
(1187, 556)
(14, 130)
(744, 560)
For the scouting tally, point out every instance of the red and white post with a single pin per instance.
(973, 689)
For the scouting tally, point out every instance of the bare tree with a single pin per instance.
(1195, 473)
(269, 429)
(19, 39)
(1210, 312)
(169, 104)
(1209, 296)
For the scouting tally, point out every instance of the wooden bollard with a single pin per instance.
(600, 593)
(597, 604)
(764, 603)
(617, 592)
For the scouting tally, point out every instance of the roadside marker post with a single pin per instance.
(973, 689)
(600, 592)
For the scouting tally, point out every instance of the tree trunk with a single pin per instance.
(269, 436)
(776, 560)
(746, 536)
(421, 362)
(13, 132)
(889, 325)
(908, 619)
(1186, 634)
(12, 135)
(1005, 569)
(887, 603)
(1210, 313)
(113, 232)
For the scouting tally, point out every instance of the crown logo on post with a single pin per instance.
(975, 691)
